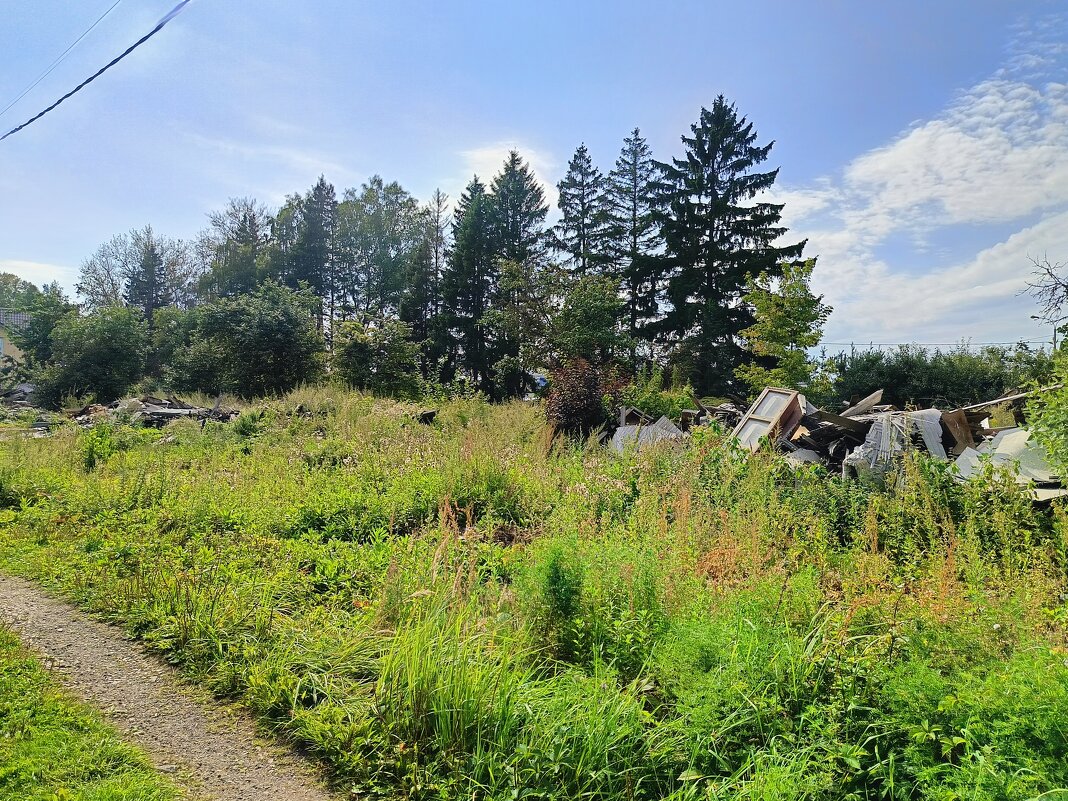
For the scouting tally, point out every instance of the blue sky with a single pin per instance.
(923, 146)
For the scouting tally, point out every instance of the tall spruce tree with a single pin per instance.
(519, 211)
(468, 283)
(285, 227)
(633, 231)
(140, 269)
(304, 245)
(581, 232)
(519, 240)
(146, 286)
(715, 238)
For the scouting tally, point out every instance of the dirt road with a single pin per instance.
(211, 750)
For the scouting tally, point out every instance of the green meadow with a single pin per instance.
(474, 610)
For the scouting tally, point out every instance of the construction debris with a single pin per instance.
(1014, 449)
(777, 412)
(644, 434)
(18, 397)
(890, 435)
(151, 411)
(867, 439)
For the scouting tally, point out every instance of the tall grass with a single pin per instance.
(468, 609)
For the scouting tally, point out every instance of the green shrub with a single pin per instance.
(99, 355)
(914, 375)
(648, 393)
(262, 343)
(379, 358)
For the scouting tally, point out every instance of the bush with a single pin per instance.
(380, 358)
(575, 404)
(647, 392)
(915, 375)
(1048, 414)
(101, 355)
(252, 345)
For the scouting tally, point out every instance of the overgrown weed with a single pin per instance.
(461, 610)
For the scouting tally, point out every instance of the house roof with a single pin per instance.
(12, 319)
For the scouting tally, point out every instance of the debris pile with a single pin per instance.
(151, 411)
(637, 430)
(1013, 448)
(866, 440)
(19, 396)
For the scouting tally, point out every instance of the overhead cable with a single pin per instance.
(966, 343)
(159, 26)
(59, 58)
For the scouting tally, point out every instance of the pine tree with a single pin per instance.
(468, 283)
(309, 255)
(147, 287)
(519, 241)
(633, 199)
(581, 231)
(715, 238)
(285, 228)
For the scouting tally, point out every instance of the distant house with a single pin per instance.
(11, 321)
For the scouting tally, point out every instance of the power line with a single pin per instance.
(159, 26)
(934, 344)
(60, 58)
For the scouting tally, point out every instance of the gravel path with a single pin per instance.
(211, 749)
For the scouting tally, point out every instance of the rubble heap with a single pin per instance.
(865, 440)
(151, 411)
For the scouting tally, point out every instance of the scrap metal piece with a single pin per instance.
(639, 436)
(1014, 450)
(891, 434)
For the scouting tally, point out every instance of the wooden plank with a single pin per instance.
(865, 405)
(956, 422)
(848, 423)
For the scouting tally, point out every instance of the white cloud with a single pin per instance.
(39, 273)
(997, 156)
(979, 299)
(486, 160)
(1000, 153)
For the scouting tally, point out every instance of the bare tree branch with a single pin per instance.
(1049, 288)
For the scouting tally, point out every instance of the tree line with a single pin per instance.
(651, 262)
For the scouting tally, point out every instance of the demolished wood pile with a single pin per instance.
(636, 429)
(867, 439)
(152, 412)
(19, 396)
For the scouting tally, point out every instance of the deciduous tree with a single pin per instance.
(101, 355)
(789, 323)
